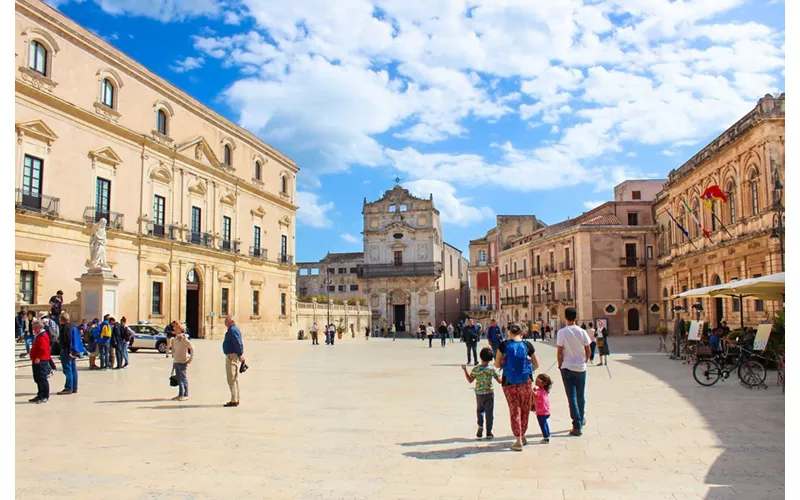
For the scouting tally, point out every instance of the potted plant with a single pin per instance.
(339, 331)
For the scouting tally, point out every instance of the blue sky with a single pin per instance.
(495, 107)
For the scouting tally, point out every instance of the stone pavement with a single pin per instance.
(382, 419)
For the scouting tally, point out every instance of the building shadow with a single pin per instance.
(743, 421)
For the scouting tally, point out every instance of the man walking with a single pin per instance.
(471, 336)
(573, 354)
(450, 331)
(233, 348)
(40, 356)
(332, 332)
(443, 333)
(494, 335)
(69, 340)
(314, 334)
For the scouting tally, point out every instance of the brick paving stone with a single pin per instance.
(392, 420)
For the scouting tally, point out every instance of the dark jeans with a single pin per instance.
(575, 386)
(543, 425)
(485, 405)
(472, 349)
(495, 346)
(592, 346)
(444, 339)
(333, 337)
(40, 372)
(430, 340)
(183, 379)
(103, 350)
(70, 369)
(120, 355)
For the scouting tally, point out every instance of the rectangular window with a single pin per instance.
(283, 304)
(37, 59)
(538, 265)
(342, 270)
(157, 293)
(649, 251)
(566, 257)
(102, 199)
(398, 258)
(159, 214)
(303, 292)
(331, 288)
(633, 287)
(636, 195)
(633, 219)
(630, 254)
(331, 270)
(197, 220)
(284, 251)
(569, 289)
(26, 282)
(759, 303)
(353, 288)
(256, 305)
(257, 239)
(32, 183)
(685, 300)
(224, 302)
(553, 289)
(226, 230)
(342, 288)
(481, 255)
(552, 261)
(736, 305)
(353, 270)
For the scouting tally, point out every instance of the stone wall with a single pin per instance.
(307, 313)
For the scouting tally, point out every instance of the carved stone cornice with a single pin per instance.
(106, 112)
(37, 80)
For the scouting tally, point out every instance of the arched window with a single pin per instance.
(754, 191)
(731, 203)
(284, 184)
(161, 122)
(257, 170)
(107, 95)
(226, 155)
(38, 58)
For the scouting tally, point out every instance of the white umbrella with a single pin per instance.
(770, 287)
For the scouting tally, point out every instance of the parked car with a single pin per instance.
(147, 336)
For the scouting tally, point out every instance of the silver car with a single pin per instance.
(147, 336)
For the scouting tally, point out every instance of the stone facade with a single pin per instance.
(353, 318)
(201, 212)
(602, 263)
(744, 161)
(483, 268)
(340, 269)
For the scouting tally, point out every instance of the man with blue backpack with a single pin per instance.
(517, 358)
(494, 335)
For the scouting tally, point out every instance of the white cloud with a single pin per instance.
(350, 238)
(592, 204)
(164, 11)
(668, 152)
(187, 64)
(453, 210)
(311, 212)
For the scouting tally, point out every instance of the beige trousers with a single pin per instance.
(232, 370)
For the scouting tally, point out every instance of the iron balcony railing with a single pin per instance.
(536, 272)
(229, 246)
(260, 253)
(565, 297)
(549, 268)
(285, 259)
(199, 238)
(37, 202)
(168, 232)
(537, 299)
(521, 300)
(92, 215)
(630, 262)
(566, 266)
(519, 275)
(390, 270)
(631, 294)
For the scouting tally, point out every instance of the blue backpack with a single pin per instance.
(517, 368)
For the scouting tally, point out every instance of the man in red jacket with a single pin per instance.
(40, 355)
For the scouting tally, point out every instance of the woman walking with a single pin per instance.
(182, 354)
(518, 360)
(593, 345)
(443, 333)
(601, 334)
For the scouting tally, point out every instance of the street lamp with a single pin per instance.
(777, 219)
(328, 282)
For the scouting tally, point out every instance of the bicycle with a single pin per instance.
(708, 371)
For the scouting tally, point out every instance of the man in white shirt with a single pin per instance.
(573, 353)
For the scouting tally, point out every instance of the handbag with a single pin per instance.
(173, 379)
(601, 342)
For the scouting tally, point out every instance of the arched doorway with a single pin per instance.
(633, 320)
(193, 303)
(719, 307)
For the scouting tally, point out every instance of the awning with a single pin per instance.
(700, 293)
(770, 287)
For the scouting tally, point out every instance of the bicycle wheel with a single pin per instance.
(706, 372)
(752, 373)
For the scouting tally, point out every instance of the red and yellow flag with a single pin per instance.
(712, 194)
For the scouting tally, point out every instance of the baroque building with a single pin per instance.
(201, 213)
(747, 162)
(602, 263)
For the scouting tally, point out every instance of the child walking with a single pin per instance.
(484, 394)
(541, 398)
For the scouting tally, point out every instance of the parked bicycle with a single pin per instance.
(708, 371)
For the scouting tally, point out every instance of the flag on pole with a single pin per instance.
(712, 194)
(696, 220)
(683, 229)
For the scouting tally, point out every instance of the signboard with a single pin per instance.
(762, 336)
(695, 327)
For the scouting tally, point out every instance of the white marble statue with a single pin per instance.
(97, 247)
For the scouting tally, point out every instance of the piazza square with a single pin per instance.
(383, 419)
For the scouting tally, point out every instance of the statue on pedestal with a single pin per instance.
(97, 247)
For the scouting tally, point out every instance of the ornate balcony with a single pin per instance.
(167, 232)
(392, 270)
(566, 266)
(92, 215)
(199, 238)
(566, 297)
(631, 262)
(229, 246)
(259, 253)
(37, 202)
(285, 259)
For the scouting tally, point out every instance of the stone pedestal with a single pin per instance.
(99, 294)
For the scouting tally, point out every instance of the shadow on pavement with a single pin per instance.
(456, 453)
(20, 394)
(178, 407)
(134, 401)
(749, 425)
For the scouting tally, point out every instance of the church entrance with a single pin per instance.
(400, 317)
(193, 304)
